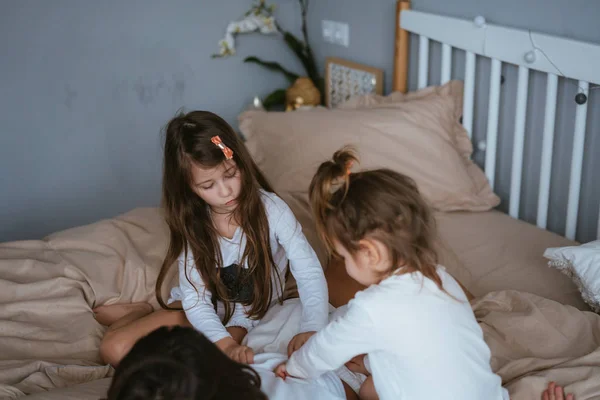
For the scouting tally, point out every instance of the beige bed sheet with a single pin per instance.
(48, 335)
(533, 341)
(49, 339)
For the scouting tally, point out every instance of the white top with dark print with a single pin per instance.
(287, 243)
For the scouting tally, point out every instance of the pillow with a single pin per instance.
(418, 134)
(582, 264)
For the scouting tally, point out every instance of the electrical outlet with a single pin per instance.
(328, 30)
(336, 32)
(342, 34)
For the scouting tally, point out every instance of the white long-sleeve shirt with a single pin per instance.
(421, 343)
(287, 242)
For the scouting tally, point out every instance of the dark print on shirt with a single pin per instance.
(239, 284)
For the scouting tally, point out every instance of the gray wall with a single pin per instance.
(372, 42)
(86, 86)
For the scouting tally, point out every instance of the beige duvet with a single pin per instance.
(49, 339)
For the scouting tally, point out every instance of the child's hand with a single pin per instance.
(281, 371)
(240, 353)
(555, 392)
(357, 364)
(235, 351)
(298, 340)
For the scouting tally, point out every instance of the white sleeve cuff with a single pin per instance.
(295, 370)
(242, 322)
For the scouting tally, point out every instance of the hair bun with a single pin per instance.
(344, 159)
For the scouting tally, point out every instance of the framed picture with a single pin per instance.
(344, 79)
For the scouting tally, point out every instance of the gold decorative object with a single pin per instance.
(301, 94)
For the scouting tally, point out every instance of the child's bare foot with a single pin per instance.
(555, 392)
(108, 315)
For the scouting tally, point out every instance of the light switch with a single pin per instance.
(336, 32)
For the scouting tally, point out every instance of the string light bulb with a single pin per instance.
(479, 21)
(530, 57)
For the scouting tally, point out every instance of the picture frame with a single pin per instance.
(344, 79)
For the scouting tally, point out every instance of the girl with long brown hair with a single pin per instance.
(412, 331)
(232, 238)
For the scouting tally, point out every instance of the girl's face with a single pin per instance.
(219, 186)
(363, 266)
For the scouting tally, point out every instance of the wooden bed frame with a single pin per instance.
(558, 58)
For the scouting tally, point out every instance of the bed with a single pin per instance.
(533, 316)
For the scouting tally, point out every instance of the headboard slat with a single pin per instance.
(547, 146)
(519, 142)
(492, 126)
(469, 93)
(423, 61)
(400, 81)
(446, 63)
(576, 164)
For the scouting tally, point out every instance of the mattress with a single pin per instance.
(488, 251)
(62, 277)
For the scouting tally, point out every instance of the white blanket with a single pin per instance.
(270, 339)
(326, 387)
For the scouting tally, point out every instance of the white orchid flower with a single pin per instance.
(252, 23)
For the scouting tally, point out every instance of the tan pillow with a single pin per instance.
(418, 134)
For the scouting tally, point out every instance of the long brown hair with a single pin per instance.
(381, 204)
(187, 142)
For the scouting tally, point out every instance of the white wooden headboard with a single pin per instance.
(554, 56)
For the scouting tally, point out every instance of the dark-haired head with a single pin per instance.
(181, 364)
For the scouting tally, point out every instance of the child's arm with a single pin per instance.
(341, 340)
(237, 333)
(306, 268)
(197, 304)
(240, 324)
(198, 307)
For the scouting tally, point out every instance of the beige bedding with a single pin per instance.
(492, 251)
(48, 335)
(535, 340)
(49, 339)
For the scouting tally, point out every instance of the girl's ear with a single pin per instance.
(369, 252)
(374, 254)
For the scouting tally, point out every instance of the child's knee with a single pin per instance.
(367, 390)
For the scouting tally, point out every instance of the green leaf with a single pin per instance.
(273, 66)
(297, 47)
(304, 53)
(295, 44)
(274, 98)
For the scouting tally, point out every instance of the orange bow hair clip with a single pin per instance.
(219, 143)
